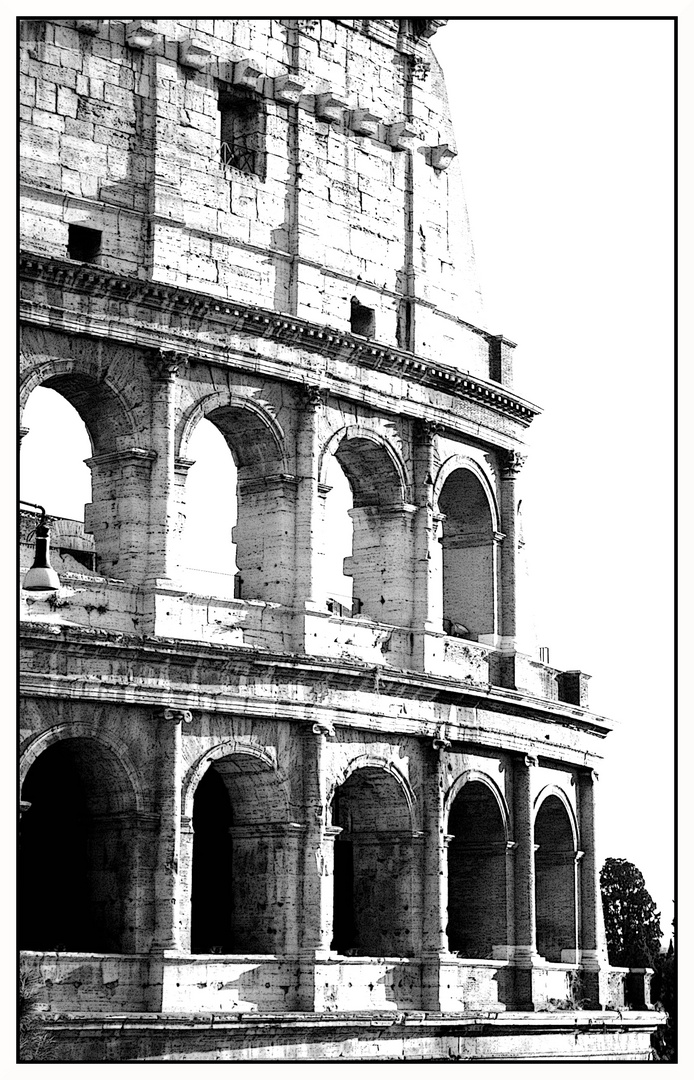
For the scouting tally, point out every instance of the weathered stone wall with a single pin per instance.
(271, 806)
(123, 136)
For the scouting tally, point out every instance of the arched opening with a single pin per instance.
(374, 876)
(477, 913)
(212, 897)
(107, 534)
(468, 557)
(208, 553)
(243, 859)
(77, 873)
(555, 880)
(247, 481)
(54, 474)
(381, 532)
(336, 586)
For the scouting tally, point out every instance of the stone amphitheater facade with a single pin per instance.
(271, 825)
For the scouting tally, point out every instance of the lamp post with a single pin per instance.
(41, 577)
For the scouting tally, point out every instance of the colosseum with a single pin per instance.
(272, 820)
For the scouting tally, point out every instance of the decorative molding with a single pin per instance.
(134, 455)
(288, 89)
(440, 157)
(529, 760)
(247, 74)
(311, 397)
(427, 430)
(88, 26)
(440, 740)
(512, 461)
(178, 716)
(324, 728)
(363, 122)
(193, 55)
(401, 135)
(330, 108)
(165, 364)
(141, 34)
(261, 322)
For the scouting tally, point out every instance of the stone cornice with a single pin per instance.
(285, 329)
(338, 675)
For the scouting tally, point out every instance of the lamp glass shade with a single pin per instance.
(41, 579)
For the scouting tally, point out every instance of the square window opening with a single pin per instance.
(362, 319)
(83, 244)
(242, 128)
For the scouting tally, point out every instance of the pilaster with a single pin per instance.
(164, 367)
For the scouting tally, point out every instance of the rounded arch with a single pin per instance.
(475, 775)
(84, 731)
(370, 761)
(554, 790)
(372, 464)
(101, 405)
(258, 761)
(253, 434)
(461, 461)
(79, 829)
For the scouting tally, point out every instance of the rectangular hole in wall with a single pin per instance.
(83, 244)
(241, 130)
(362, 319)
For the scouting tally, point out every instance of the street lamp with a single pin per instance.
(41, 577)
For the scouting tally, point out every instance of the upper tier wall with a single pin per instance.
(300, 165)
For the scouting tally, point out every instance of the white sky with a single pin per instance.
(564, 134)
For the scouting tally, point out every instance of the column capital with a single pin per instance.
(426, 430)
(511, 462)
(177, 715)
(529, 759)
(311, 397)
(440, 740)
(324, 729)
(165, 364)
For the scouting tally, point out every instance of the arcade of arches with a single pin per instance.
(81, 827)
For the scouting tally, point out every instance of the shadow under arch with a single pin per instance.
(478, 826)
(381, 521)
(242, 862)
(266, 492)
(469, 530)
(253, 435)
(101, 405)
(376, 867)
(556, 875)
(372, 464)
(79, 882)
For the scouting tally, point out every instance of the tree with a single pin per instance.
(632, 924)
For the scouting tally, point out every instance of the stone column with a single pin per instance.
(592, 942)
(308, 500)
(164, 367)
(427, 579)
(161, 119)
(169, 920)
(117, 516)
(185, 883)
(435, 878)
(139, 833)
(511, 465)
(525, 935)
(314, 909)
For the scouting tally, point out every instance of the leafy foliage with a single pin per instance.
(35, 1043)
(632, 924)
(664, 995)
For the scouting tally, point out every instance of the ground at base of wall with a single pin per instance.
(558, 1036)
